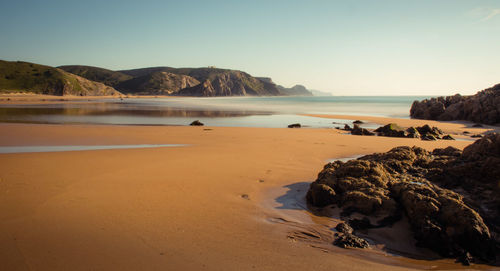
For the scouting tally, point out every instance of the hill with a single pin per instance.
(201, 82)
(157, 83)
(483, 107)
(105, 76)
(224, 82)
(18, 76)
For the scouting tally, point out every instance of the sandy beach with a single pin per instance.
(249, 135)
(223, 202)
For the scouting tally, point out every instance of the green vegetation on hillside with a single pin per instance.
(18, 76)
(23, 76)
(105, 76)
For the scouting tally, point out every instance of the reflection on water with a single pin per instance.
(26, 149)
(136, 113)
(227, 111)
(103, 109)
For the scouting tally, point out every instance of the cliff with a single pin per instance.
(483, 107)
(157, 83)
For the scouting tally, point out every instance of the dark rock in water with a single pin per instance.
(448, 137)
(196, 123)
(361, 131)
(466, 132)
(350, 240)
(412, 132)
(357, 122)
(476, 136)
(451, 198)
(347, 127)
(295, 125)
(426, 130)
(428, 137)
(481, 107)
(391, 130)
(477, 125)
(344, 228)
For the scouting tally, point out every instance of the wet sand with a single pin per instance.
(231, 200)
(450, 127)
(31, 98)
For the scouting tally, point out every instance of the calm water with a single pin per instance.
(227, 111)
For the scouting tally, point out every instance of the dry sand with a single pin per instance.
(225, 202)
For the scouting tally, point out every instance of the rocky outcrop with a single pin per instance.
(157, 83)
(349, 240)
(196, 123)
(483, 107)
(356, 130)
(204, 89)
(393, 130)
(451, 198)
(232, 83)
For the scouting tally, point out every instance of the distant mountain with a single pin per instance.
(18, 76)
(107, 77)
(221, 82)
(157, 83)
(320, 93)
(297, 90)
(207, 82)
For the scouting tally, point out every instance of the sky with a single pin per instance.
(371, 47)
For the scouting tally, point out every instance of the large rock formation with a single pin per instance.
(105, 76)
(483, 107)
(29, 77)
(451, 198)
(157, 83)
(231, 83)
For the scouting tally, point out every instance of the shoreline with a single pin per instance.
(157, 208)
(32, 98)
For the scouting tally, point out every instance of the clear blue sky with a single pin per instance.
(367, 47)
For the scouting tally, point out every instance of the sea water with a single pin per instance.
(219, 111)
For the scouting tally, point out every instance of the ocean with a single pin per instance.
(219, 111)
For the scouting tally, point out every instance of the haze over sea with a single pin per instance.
(222, 111)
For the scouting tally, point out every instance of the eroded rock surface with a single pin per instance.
(483, 107)
(451, 198)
